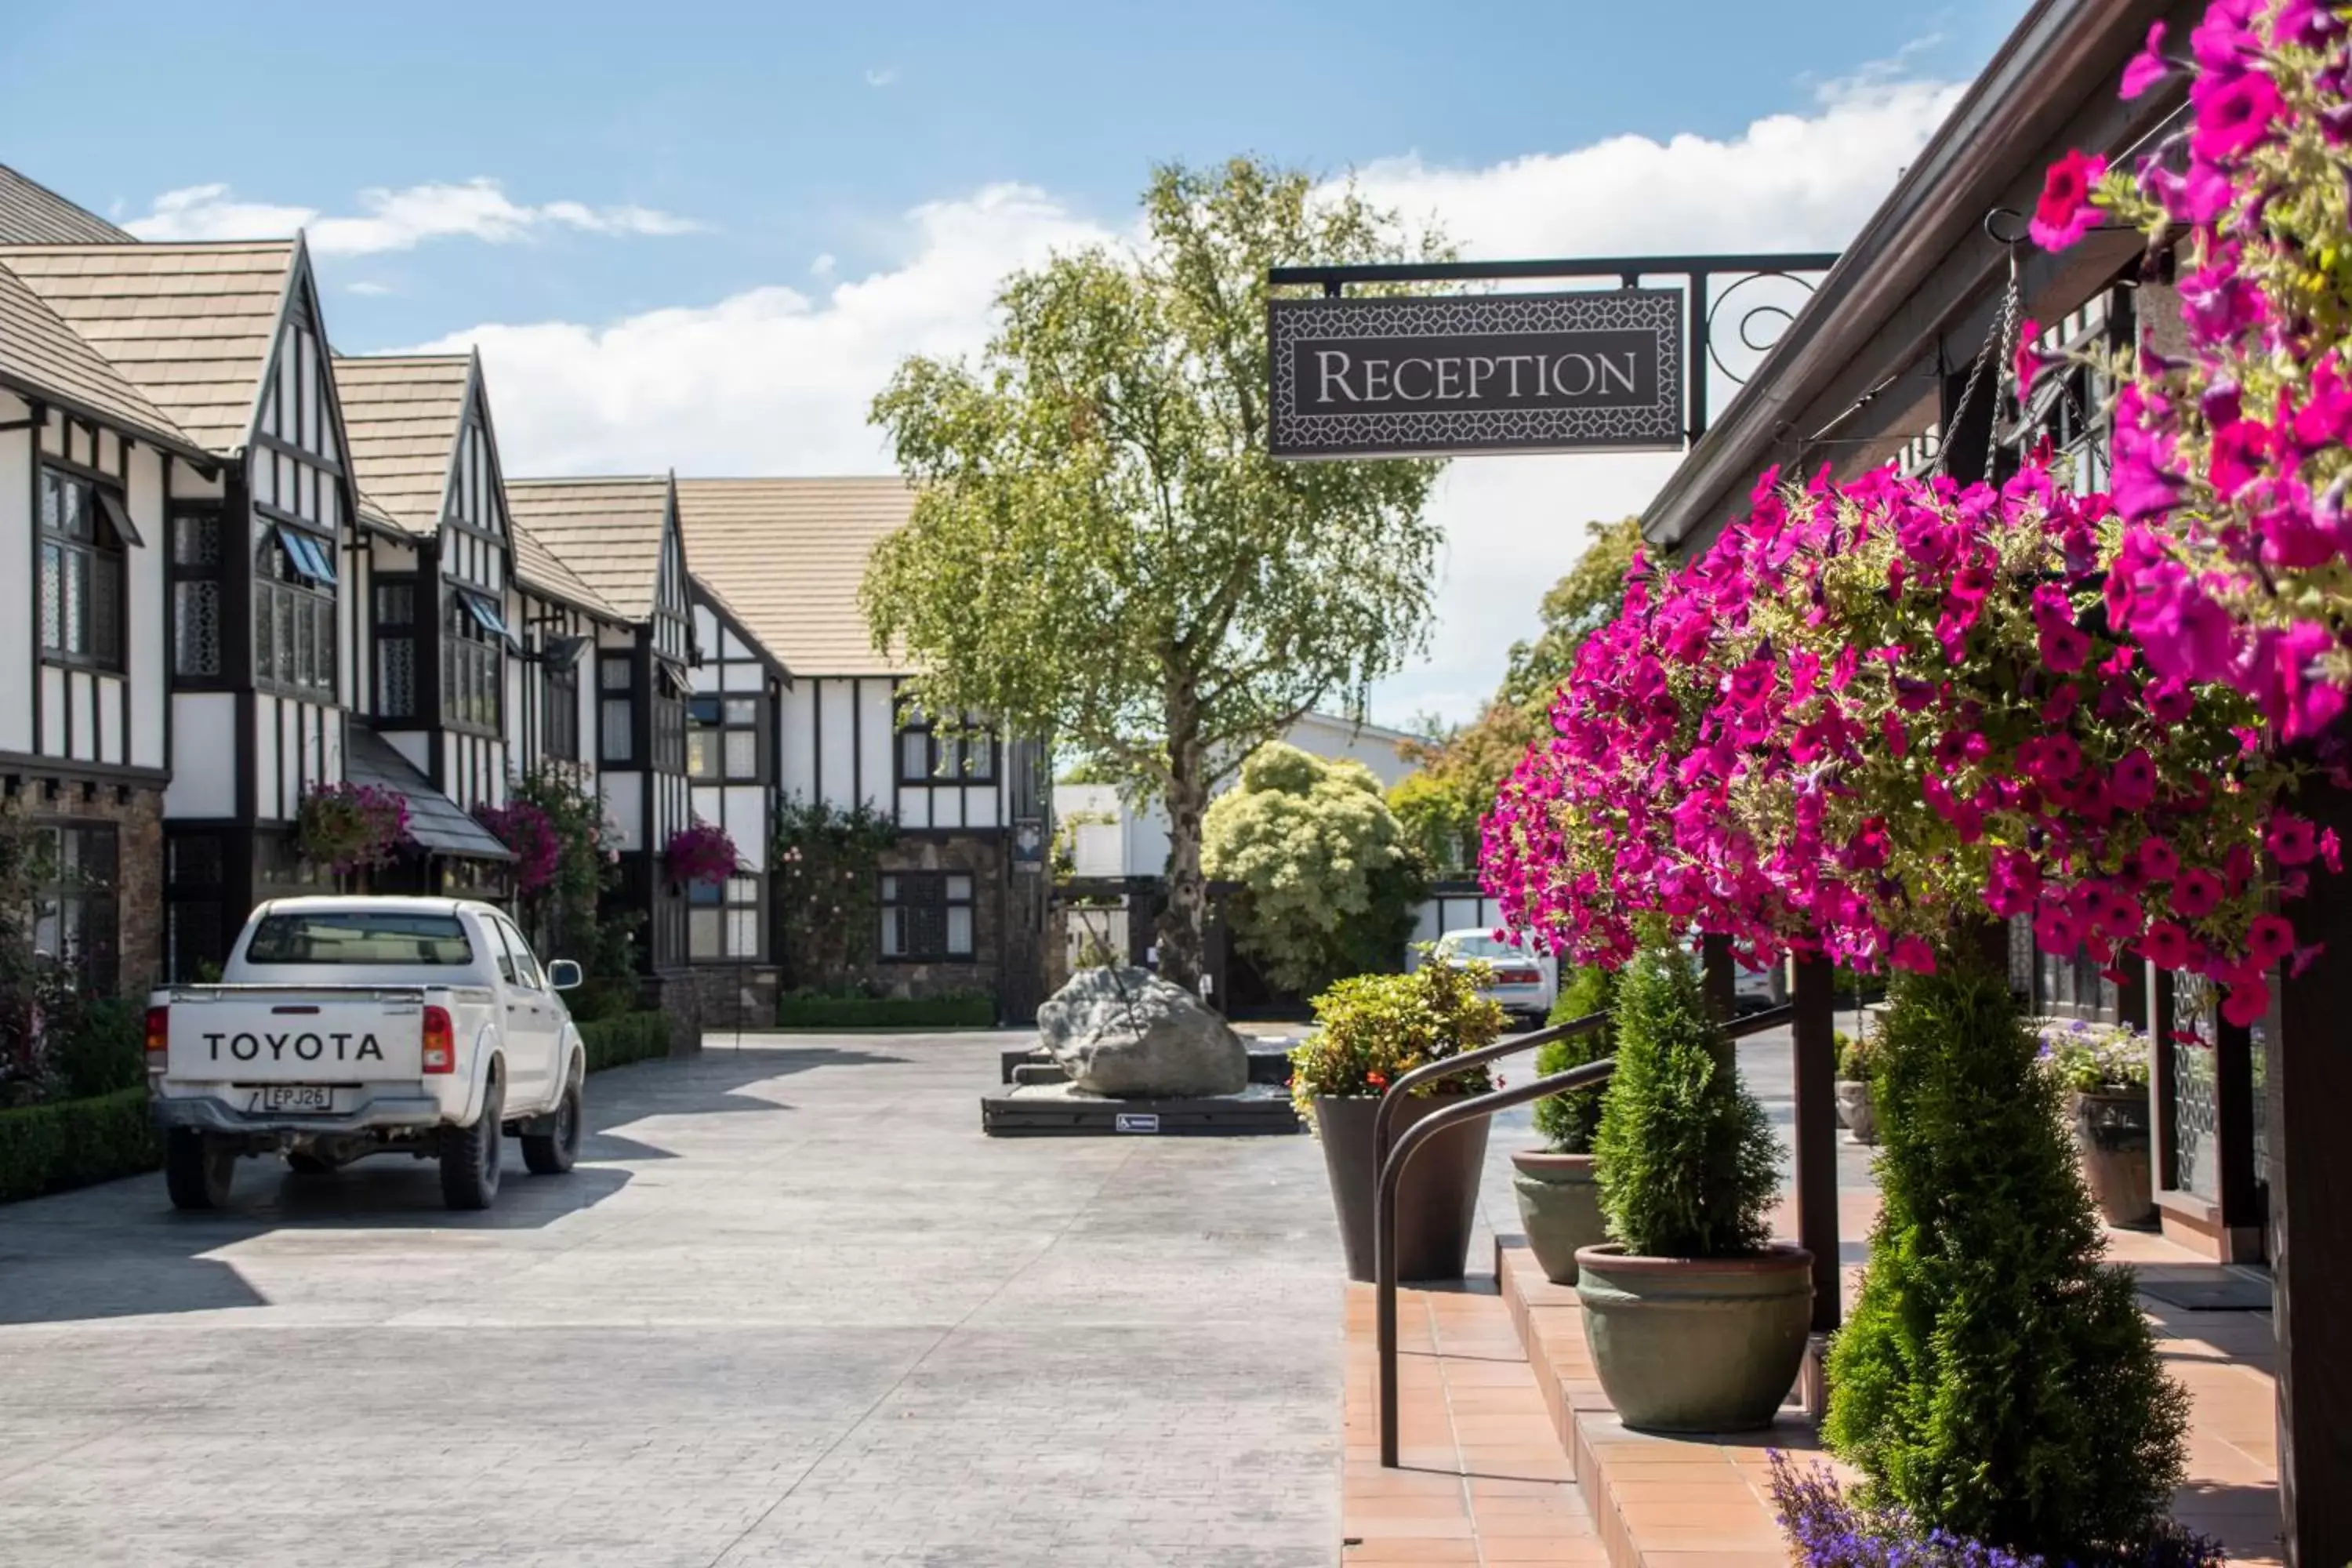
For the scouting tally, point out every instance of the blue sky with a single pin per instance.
(703, 232)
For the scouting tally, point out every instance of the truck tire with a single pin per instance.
(198, 1168)
(470, 1155)
(553, 1153)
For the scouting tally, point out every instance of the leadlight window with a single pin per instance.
(471, 649)
(395, 648)
(927, 757)
(616, 711)
(723, 920)
(294, 612)
(668, 708)
(84, 531)
(927, 915)
(722, 739)
(75, 921)
(196, 557)
(559, 707)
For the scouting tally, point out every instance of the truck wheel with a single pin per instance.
(553, 1152)
(470, 1155)
(198, 1168)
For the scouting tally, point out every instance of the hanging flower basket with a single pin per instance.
(347, 828)
(701, 855)
(531, 833)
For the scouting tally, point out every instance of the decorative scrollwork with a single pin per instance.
(1759, 324)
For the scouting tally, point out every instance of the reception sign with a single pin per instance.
(1595, 371)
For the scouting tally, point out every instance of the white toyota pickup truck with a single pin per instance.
(347, 1026)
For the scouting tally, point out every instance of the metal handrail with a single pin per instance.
(1384, 1260)
(1385, 1113)
(1391, 1162)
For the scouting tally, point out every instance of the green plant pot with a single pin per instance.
(1857, 1111)
(2112, 1137)
(1559, 1208)
(1685, 1344)
(1437, 1200)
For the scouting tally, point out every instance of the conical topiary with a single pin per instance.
(1568, 1122)
(1685, 1159)
(1996, 1379)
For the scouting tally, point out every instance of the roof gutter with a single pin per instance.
(2058, 55)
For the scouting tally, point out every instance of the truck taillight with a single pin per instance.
(159, 1037)
(440, 1041)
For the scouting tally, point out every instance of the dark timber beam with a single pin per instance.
(1817, 1130)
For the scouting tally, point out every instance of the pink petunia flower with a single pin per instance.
(2064, 213)
(2148, 67)
(2196, 893)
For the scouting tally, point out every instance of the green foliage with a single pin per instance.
(1854, 1054)
(74, 1142)
(629, 1038)
(1685, 1158)
(1995, 1379)
(947, 1010)
(2094, 1058)
(1372, 1029)
(102, 1045)
(1326, 883)
(1578, 605)
(1569, 1122)
(563, 917)
(1439, 820)
(828, 887)
(1102, 550)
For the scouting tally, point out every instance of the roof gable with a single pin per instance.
(789, 556)
(192, 326)
(402, 417)
(41, 355)
(609, 533)
(538, 569)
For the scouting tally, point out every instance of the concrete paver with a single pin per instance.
(793, 1308)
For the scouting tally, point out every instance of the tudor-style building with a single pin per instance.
(730, 765)
(84, 733)
(962, 895)
(618, 540)
(226, 341)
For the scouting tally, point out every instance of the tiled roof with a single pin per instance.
(537, 567)
(608, 531)
(40, 354)
(789, 554)
(189, 325)
(31, 213)
(401, 420)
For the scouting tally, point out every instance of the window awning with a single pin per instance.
(563, 653)
(435, 822)
(485, 611)
(117, 517)
(313, 559)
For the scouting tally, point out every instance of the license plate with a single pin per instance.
(293, 1097)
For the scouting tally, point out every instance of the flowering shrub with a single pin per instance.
(1875, 713)
(2094, 1058)
(2230, 464)
(348, 826)
(1828, 1529)
(828, 887)
(701, 855)
(531, 833)
(1372, 1029)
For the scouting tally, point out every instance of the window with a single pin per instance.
(926, 915)
(724, 922)
(722, 739)
(526, 966)
(925, 757)
(560, 699)
(196, 593)
(74, 920)
(359, 936)
(294, 612)
(668, 707)
(472, 649)
(84, 531)
(615, 681)
(395, 647)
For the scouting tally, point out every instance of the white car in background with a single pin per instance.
(1526, 984)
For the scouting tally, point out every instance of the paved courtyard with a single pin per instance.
(793, 1308)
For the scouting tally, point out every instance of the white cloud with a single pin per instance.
(823, 265)
(364, 287)
(776, 381)
(881, 76)
(394, 220)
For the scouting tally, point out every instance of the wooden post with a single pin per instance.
(2311, 1216)
(2163, 1082)
(1716, 981)
(1816, 1089)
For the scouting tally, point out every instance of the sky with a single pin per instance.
(700, 236)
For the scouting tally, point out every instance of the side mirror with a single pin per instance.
(563, 974)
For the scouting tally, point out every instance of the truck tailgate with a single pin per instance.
(295, 1034)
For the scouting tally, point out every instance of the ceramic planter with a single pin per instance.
(1696, 1345)
(2112, 1137)
(1857, 1110)
(1559, 1208)
(1437, 1202)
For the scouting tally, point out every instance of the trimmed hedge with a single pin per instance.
(630, 1038)
(74, 1142)
(965, 1010)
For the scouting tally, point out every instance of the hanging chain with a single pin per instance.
(2001, 342)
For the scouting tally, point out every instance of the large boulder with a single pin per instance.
(1129, 1035)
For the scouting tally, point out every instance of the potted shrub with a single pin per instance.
(1697, 1320)
(1855, 1108)
(1559, 1205)
(1369, 1032)
(2103, 1071)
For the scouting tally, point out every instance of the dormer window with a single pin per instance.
(84, 531)
(471, 654)
(294, 611)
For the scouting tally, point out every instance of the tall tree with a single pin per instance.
(1101, 549)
